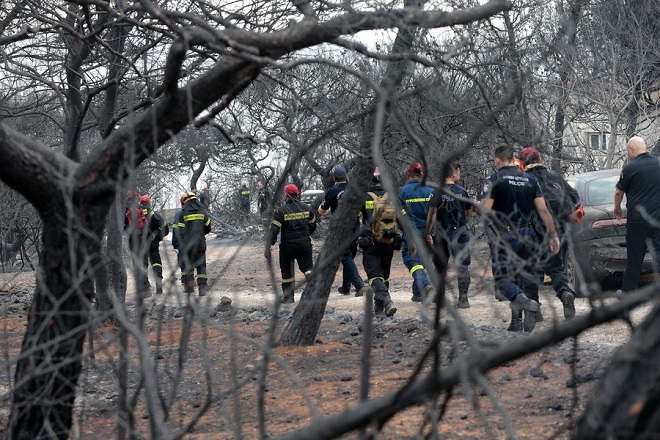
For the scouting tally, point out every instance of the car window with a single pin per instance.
(601, 191)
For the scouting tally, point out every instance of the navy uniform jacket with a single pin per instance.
(415, 202)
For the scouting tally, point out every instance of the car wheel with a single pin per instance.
(572, 274)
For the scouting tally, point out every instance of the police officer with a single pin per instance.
(639, 183)
(156, 224)
(415, 201)
(192, 226)
(553, 264)
(297, 222)
(377, 255)
(351, 276)
(449, 214)
(510, 199)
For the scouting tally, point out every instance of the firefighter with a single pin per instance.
(244, 194)
(377, 253)
(156, 231)
(263, 201)
(415, 201)
(192, 225)
(136, 225)
(297, 222)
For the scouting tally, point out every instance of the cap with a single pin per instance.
(339, 173)
(145, 200)
(529, 155)
(415, 168)
(291, 190)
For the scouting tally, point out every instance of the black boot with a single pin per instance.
(159, 286)
(463, 301)
(528, 307)
(516, 320)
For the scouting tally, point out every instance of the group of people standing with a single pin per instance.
(146, 229)
(523, 235)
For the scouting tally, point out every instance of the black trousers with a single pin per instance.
(638, 238)
(289, 254)
(193, 260)
(154, 257)
(377, 262)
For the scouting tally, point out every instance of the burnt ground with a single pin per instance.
(217, 371)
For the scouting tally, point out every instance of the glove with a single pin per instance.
(364, 241)
(398, 241)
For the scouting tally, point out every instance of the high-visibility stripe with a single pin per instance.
(245, 193)
(276, 223)
(416, 268)
(288, 280)
(296, 215)
(156, 265)
(208, 222)
(418, 200)
(181, 225)
(201, 275)
(369, 204)
(371, 280)
(192, 217)
(312, 220)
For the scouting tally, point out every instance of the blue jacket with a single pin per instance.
(415, 202)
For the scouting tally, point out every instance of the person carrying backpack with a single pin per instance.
(158, 229)
(378, 240)
(137, 227)
(192, 225)
(562, 201)
(446, 230)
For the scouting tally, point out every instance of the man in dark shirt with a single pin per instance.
(446, 229)
(298, 223)
(566, 200)
(351, 276)
(510, 199)
(639, 182)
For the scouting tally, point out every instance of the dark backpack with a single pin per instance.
(383, 228)
(137, 215)
(561, 201)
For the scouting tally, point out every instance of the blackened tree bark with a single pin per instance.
(626, 403)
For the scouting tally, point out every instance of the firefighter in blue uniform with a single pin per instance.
(415, 201)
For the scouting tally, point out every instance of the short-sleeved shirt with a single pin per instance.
(331, 198)
(513, 192)
(639, 180)
(451, 211)
(415, 201)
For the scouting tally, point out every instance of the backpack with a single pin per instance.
(383, 227)
(559, 202)
(137, 214)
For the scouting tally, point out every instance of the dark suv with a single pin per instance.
(598, 251)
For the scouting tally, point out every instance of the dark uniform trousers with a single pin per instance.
(289, 254)
(140, 256)
(638, 239)
(455, 242)
(377, 261)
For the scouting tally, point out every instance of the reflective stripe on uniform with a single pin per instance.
(369, 204)
(371, 280)
(418, 200)
(192, 217)
(296, 215)
(416, 268)
(201, 275)
(288, 280)
(156, 265)
(276, 223)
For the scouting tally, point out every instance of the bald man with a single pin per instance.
(639, 182)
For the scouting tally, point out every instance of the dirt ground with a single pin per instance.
(217, 377)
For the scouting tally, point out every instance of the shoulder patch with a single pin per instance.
(486, 187)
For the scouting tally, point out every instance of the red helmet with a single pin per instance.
(145, 200)
(291, 190)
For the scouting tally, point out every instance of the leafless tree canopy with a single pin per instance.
(97, 97)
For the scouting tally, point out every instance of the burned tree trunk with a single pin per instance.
(626, 403)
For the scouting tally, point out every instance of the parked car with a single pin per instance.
(597, 250)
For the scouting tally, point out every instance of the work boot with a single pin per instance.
(190, 287)
(379, 307)
(288, 299)
(463, 302)
(202, 289)
(159, 286)
(416, 298)
(390, 310)
(342, 291)
(361, 291)
(516, 324)
(529, 308)
(568, 301)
